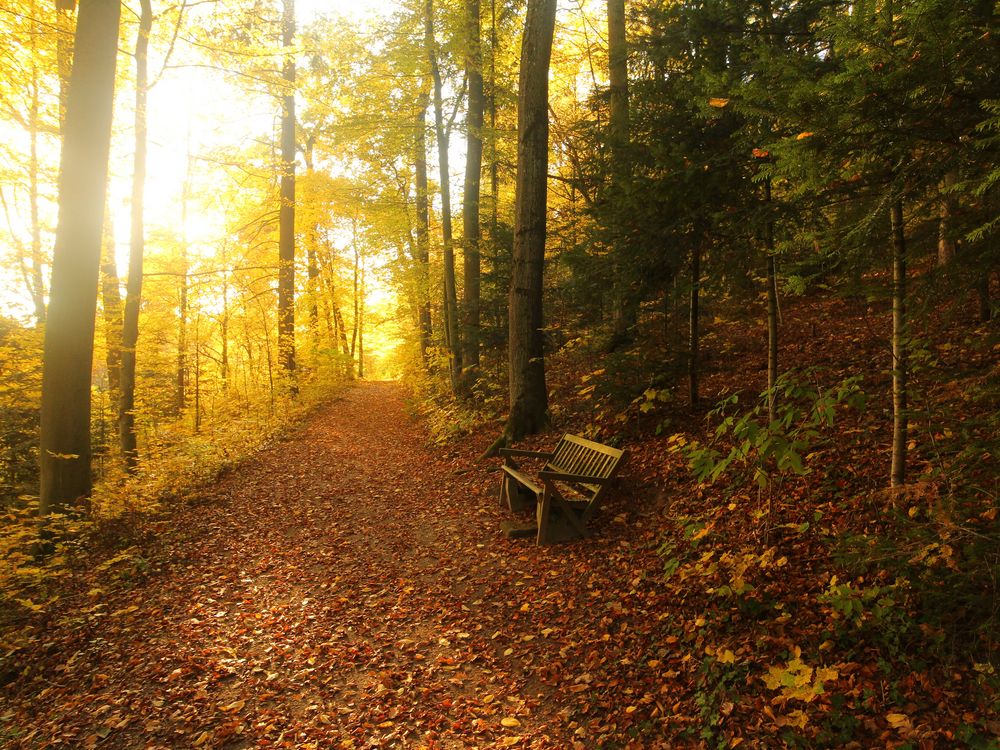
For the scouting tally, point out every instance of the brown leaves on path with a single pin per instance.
(350, 587)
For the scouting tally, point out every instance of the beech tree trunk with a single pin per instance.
(286, 213)
(133, 287)
(473, 181)
(899, 348)
(448, 245)
(528, 394)
(64, 451)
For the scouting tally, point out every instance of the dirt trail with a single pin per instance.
(348, 587)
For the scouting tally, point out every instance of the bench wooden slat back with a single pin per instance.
(576, 455)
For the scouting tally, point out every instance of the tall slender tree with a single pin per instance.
(451, 332)
(286, 212)
(626, 301)
(133, 287)
(64, 451)
(423, 224)
(473, 181)
(900, 347)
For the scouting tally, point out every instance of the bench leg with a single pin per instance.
(542, 514)
(557, 521)
(513, 496)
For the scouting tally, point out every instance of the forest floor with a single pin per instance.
(350, 587)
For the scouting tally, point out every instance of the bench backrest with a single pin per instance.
(577, 455)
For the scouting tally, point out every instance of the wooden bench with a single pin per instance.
(567, 491)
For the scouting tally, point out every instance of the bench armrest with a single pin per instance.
(558, 476)
(524, 453)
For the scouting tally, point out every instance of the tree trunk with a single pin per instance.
(448, 245)
(197, 374)
(494, 161)
(65, 12)
(528, 393)
(180, 377)
(772, 306)
(36, 282)
(64, 449)
(361, 326)
(340, 329)
(224, 335)
(899, 348)
(111, 299)
(946, 242)
(626, 314)
(473, 179)
(693, 333)
(983, 296)
(618, 110)
(357, 271)
(423, 226)
(133, 287)
(312, 269)
(286, 213)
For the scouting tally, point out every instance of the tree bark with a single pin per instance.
(626, 300)
(473, 181)
(133, 287)
(983, 296)
(772, 306)
(286, 213)
(64, 451)
(65, 17)
(111, 302)
(693, 332)
(361, 325)
(448, 245)
(528, 393)
(357, 301)
(899, 348)
(946, 243)
(312, 269)
(36, 282)
(423, 226)
(180, 377)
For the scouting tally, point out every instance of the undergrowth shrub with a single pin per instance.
(123, 512)
(447, 417)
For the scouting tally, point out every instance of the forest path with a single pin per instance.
(347, 587)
